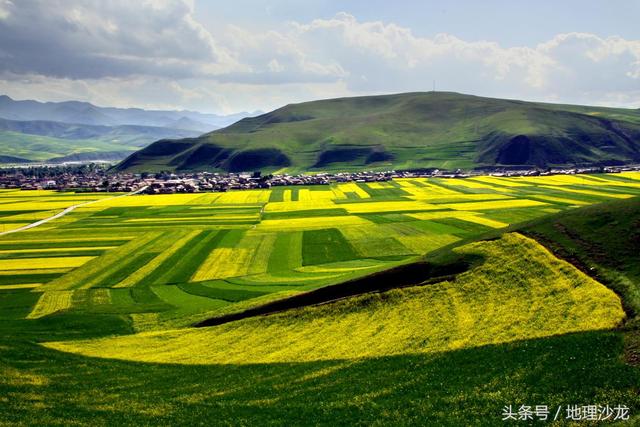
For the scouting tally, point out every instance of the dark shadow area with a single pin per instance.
(419, 273)
(462, 387)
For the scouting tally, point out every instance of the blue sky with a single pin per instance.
(248, 55)
(508, 22)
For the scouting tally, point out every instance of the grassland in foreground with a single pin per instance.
(142, 274)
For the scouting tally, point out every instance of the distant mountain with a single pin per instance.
(39, 131)
(13, 160)
(39, 140)
(89, 114)
(124, 134)
(405, 131)
(103, 156)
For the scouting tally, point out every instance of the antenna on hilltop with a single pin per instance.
(434, 86)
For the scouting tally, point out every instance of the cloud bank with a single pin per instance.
(157, 54)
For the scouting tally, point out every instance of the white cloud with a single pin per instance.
(155, 53)
(85, 39)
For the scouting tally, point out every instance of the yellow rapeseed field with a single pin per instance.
(381, 207)
(498, 181)
(352, 187)
(222, 263)
(556, 199)
(300, 206)
(253, 197)
(12, 226)
(590, 192)
(145, 200)
(157, 261)
(46, 263)
(488, 205)
(463, 215)
(21, 286)
(521, 291)
(424, 243)
(51, 302)
(310, 223)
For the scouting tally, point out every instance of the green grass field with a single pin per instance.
(106, 295)
(39, 148)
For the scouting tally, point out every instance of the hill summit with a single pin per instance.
(405, 131)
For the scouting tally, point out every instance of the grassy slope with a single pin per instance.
(603, 240)
(115, 139)
(36, 147)
(405, 131)
(462, 387)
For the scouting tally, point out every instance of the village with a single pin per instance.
(98, 178)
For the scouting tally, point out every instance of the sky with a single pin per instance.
(244, 55)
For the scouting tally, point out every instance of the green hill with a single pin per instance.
(40, 148)
(403, 131)
(45, 140)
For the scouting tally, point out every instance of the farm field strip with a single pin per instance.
(521, 291)
(46, 263)
(262, 242)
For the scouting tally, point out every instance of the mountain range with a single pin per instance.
(405, 131)
(88, 114)
(38, 131)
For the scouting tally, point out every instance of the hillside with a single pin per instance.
(123, 134)
(38, 140)
(404, 131)
(603, 240)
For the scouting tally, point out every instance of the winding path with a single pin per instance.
(67, 210)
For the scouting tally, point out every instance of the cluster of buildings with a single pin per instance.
(205, 181)
(167, 183)
(52, 179)
(100, 180)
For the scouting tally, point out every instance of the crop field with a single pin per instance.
(179, 258)
(108, 292)
(19, 208)
(485, 306)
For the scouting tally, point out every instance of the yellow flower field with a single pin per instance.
(520, 292)
(310, 223)
(46, 263)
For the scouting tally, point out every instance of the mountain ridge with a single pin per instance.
(405, 131)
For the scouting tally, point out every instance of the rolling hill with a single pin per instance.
(405, 131)
(124, 134)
